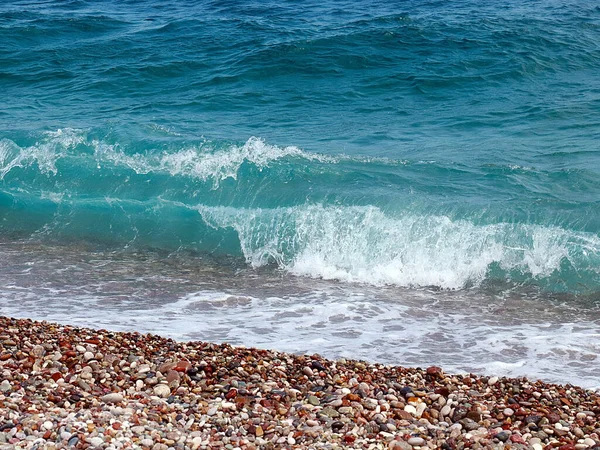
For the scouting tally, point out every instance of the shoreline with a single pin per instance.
(71, 387)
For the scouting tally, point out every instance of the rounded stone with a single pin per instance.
(113, 397)
(162, 390)
(416, 441)
(96, 441)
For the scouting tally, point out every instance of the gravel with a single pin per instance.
(68, 387)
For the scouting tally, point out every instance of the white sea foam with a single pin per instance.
(225, 163)
(203, 162)
(362, 244)
(44, 153)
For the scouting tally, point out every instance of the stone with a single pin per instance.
(492, 381)
(38, 351)
(96, 441)
(173, 376)
(162, 390)
(503, 436)
(113, 397)
(399, 445)
(445, 411)
(416, 441)
(313, 400)
(5, 386)
(411, 409)
(435, 371)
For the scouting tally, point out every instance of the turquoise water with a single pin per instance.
(421, 146)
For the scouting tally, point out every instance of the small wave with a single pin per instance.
(204, 161)
(364, 245)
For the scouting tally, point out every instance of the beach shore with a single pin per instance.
(69, 387)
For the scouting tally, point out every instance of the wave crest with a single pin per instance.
(362, 244)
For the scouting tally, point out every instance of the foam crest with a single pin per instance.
(362, 244)
(44, 153)
(203, 162)
(223, 164)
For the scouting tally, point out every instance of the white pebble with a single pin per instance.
(508, 412)
(411, 409)
(113, 397)
(88, 355)
(162, 390)
(196, 442)
(48, 425)
(96, 441)
(65, 435)
(414, 441)
(492, 381)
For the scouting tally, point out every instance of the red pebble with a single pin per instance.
(56, 376)
(517, 439)
(173, 375)
(434, 370)
(116, 425)
(349, 438)
(266, 403)
(231, 394)
(5, 356)
(183, 366)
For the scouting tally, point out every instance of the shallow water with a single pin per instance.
(516, 333)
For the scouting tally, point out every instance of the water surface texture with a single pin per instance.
(413, 183)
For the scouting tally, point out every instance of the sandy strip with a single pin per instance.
(68, 387)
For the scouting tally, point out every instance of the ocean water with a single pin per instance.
(412, 183)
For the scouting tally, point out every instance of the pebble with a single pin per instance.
(113, 397)
(411, 409)
(416, 441)
(492, 381)
(96, 441)
(162, 390)
(128, 390)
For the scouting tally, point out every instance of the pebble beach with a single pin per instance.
(69, 387)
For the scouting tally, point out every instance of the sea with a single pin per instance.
(409, 182)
